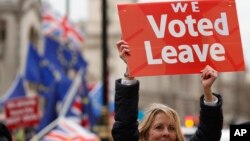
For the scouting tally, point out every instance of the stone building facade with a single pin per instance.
(19, 23)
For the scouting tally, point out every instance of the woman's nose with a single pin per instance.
(166, 132)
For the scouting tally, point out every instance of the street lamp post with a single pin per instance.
(104, 132)
(67, 8)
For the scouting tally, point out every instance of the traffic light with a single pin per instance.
(189, 121)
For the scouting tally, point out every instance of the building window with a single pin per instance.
(33, 36)
(2, 37)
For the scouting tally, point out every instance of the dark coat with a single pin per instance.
(4, 133)
(125, 127)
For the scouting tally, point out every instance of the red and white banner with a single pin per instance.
(181, 37)
(22, 112)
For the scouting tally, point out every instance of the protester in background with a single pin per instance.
(4, 133)
(162, 123)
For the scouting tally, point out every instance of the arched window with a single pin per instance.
(2, 37)
(33, 36)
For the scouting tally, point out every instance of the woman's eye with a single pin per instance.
(159, 127)
(171, 128)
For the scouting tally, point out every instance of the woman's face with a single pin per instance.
(162, 129)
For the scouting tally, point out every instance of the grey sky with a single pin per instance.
(243, 8)
(78, 8)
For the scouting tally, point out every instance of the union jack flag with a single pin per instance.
(75, 111)
(67, 130)
(57, 26)
(80, 109)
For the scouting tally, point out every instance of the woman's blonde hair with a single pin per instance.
(150, 114)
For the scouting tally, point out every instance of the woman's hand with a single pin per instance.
(208, 76)
(124, 51)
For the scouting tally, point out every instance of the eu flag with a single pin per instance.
(32, 68)
(62, 56)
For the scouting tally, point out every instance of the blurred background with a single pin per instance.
(60, 58)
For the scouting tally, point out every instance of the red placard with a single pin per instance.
(181, 37)
(22, 112)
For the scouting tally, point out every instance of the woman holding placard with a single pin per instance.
(162, 123)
